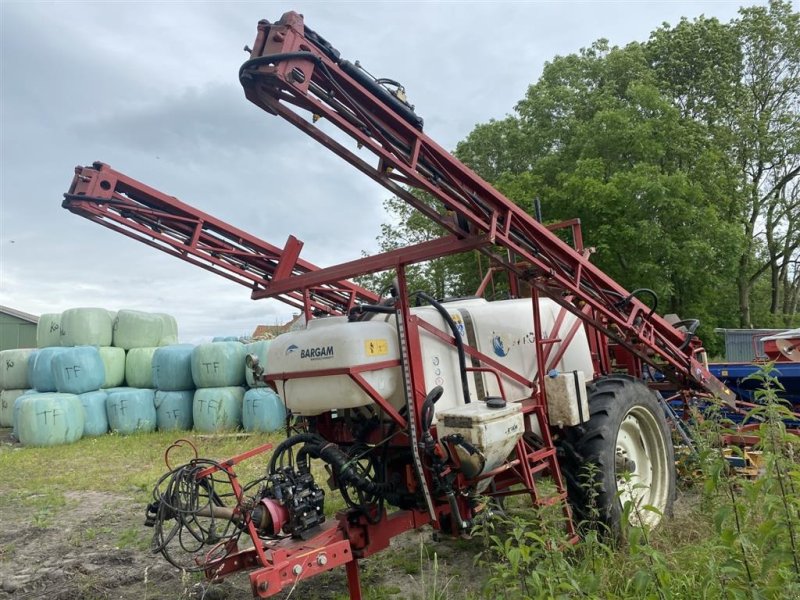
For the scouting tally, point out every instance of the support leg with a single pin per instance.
(353, 580)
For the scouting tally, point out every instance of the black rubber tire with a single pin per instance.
(625, 420)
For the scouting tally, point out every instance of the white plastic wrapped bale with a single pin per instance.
(169, 330)
(48, 330)
(86, 327)
(258, 349)
(174, 410)
(114, 362)
(263, 410)
(130, 410)
(78, 370)
(14, 368)
(7, 399)
(218, 364)
(94, 413)
(218, 409)
(15, 412)
(139, 367)
(50, 419)
(42, 379)
(172, 368)
(137, 329)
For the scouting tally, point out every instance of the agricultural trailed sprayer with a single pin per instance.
(420, 408)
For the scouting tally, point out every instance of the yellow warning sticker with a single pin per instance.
(376, 347)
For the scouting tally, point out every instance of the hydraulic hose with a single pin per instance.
(462, 359)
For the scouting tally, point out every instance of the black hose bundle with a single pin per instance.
(192, 503)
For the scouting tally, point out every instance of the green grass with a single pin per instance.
(116, 463)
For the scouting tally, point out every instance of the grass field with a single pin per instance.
(71, 527)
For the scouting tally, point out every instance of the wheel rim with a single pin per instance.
(641, 467)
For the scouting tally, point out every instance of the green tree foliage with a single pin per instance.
(680, 155)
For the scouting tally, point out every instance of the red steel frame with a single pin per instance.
(114, 200)
(292, 72)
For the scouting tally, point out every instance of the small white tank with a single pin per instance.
(502, 330)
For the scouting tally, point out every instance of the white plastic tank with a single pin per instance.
(501, 330)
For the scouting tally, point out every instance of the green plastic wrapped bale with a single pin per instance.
(31, 362)
(95, 418)
(263, 410)
(169, 330)
(172, 368)
(14, 368)
(50, 419)
(218, 364)
(48, 330)
(7, 399)
(137, 329)
(114, 362)
(218, 409)
(130, 410)
(174, 410)
(139, 367)
(15, 412)
(85, 327)
(78, 370)
(42, 374)
(258, 349)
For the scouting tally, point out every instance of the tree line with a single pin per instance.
(680, 155)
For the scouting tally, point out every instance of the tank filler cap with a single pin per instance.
(495, 402)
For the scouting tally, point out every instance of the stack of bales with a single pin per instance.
(172, 378)
(13, 381)
(263, 409)
(138, 334)
(218, 374)
(66, 375)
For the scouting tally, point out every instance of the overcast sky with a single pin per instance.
(151, 89)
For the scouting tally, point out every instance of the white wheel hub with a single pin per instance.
(642, 472)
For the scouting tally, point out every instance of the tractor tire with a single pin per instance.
(627, 433)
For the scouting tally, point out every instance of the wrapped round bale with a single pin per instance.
(49, 419)
(172, 368)
(218, 409)
(15, 412)
(78, 370)
(174, 409)
(14, 368)
(31, 362)
(218, 364)
(169, 330)
(85, 327)
(48, 330)
(95, 418)
(259, 349)
(114, 362)
(139, 367)
(225, 338)
(130, 410)
(42, 374)
(263, 410)
(7, 399)
(137, 329)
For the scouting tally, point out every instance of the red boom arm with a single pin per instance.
(292, 71)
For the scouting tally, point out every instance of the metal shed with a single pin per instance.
(745, 345)
(17, 329)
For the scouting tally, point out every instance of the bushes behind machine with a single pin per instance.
(734, 536)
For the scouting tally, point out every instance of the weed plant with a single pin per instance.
(733, 535)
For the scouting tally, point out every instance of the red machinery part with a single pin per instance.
(114, 200)
(293, 72)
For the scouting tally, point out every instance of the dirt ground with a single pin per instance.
(95, 546)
